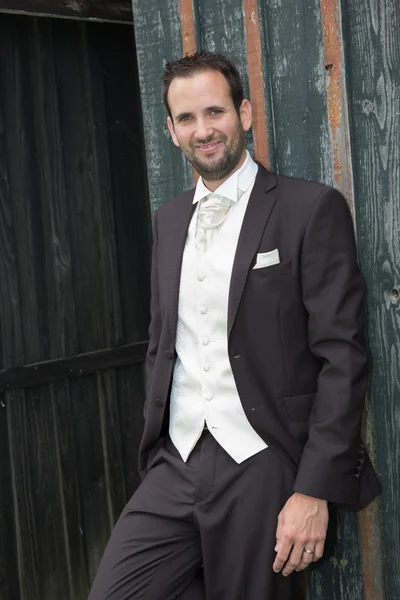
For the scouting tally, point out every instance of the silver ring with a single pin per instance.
(308, 551)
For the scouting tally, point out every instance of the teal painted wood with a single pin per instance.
(296, 83)
(158, 38)
(339, 576)
(373, 50)
(296, 99)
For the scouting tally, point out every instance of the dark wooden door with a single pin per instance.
(74, 272)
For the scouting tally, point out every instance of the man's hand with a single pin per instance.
(302, 525)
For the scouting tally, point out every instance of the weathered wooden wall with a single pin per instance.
(324, 78)
(74, 271)
(92, 10)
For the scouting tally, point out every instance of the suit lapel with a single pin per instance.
(182, 216)
(258, 210)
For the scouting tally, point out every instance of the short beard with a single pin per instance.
(226, 164)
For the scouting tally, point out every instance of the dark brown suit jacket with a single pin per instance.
(295, 333)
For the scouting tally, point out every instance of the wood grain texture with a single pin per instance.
(158, 38)
(188, 28)
(103, 10)
(128, 173)
(37, 498)
(70, 144)
(256, 85)
(88, 189)
(373, 47)
(9, 574)
(74, 366)
(331, 15)
(293, 66)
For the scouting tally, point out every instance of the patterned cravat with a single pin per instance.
(212, 213)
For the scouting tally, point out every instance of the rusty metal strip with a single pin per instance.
(369, 528)
(337, 98)
(255, 72)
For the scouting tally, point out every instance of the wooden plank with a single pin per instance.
(88, 186)
(128, 171)
(11, 349)
(373, 51)
(50, 202)
(9, 572)
(10, 323)
(331, 15)
(158, 38)
(339, 576)
(23, 171)
(294, 68)
(256, 85)
(102, 10)
(91, 455)
(42, 549)
(111, 443)
(71, 526)
(76, 366)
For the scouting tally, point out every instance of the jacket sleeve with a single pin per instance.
(333, 296)
(155, 318)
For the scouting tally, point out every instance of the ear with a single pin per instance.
(246, 114)
(172, 131)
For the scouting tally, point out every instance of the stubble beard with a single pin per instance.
(215, 171)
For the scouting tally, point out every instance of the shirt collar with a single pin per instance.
(239, 180)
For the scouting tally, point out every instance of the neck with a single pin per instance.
(213, 185)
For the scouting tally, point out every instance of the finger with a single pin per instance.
(306, 560)
(294, 559)
(319, 550)
(282, 550)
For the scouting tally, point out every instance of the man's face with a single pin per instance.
(206, 125)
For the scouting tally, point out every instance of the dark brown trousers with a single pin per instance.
(201, 530)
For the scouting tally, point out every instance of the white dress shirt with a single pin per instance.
(203, 387)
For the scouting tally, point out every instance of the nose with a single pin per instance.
(204, 130)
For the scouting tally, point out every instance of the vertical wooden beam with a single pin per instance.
(370, 542)
(337, 98)
(253, 39)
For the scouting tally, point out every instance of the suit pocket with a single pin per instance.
(299, 407)
(273, 271)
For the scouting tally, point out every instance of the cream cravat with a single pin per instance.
(212, 213)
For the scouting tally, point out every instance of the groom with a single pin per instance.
(257, 369)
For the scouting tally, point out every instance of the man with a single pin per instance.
(257, 369)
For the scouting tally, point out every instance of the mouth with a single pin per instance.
(208, 148)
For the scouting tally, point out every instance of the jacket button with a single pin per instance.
(169, 354)
(159, 401)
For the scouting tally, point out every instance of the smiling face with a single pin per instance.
(206, 125)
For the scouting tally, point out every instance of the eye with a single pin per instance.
(216, 111)
(184, 118)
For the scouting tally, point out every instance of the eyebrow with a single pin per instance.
(208, 109)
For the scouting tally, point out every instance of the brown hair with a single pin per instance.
(201, 62)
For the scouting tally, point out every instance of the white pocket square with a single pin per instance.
(267, 259)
